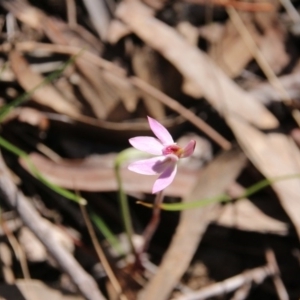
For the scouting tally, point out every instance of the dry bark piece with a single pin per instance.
(46, 95)
(201, 74)
(214, 179)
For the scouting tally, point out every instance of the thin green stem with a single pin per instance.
(107, 233)
(223, 197)
(20, 153)
(125, 209)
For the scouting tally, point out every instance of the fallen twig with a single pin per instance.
(256, 275)
(85, 283)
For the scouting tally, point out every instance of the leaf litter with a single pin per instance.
(190, 66)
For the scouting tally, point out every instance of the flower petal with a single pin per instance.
(166, 178)
(151, 166)
(161, 132)
(188, 150)
(148, 144)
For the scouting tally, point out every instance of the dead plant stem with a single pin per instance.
(112, 277)
(152, 226)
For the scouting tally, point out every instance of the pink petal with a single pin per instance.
(148, 144)
(151, 166)
(166, 178)
(188, 150)
(161, 132)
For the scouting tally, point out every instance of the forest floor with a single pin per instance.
(78, 80)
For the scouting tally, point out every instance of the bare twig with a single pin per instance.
(279, 286)
(112, 277)
(85, 283)
(257, 275)
(291, 11)
(19, 253)
(71, 13)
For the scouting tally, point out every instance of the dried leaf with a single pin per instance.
(244, 215)
(46, 95)
(198, 70)
(96, 173)
(273, 154)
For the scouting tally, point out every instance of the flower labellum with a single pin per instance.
(165, 164)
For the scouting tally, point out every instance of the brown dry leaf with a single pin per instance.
(189, 32)
(99, 15)
(116, 31)
(214, 179)
(230, 53)
(265, 92)
(273, 154)
(272, 44)
(123, 88)
(60, 33)
(35, 290)
(244, 215)
(33, 117)
(105, 98)
(46, 95)
(90, 95)
(145, 65)
(201, 74)
(29, 115)
(96, 173)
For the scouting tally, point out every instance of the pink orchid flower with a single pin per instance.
(169, 153)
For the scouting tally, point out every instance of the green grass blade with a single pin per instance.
(222, 198)
(107, 233)
(20, 153)
(122, 157)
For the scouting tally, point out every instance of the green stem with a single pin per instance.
(125, 209)
(223, 197)
(65, 193)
